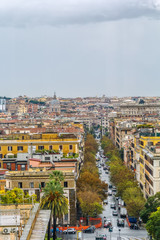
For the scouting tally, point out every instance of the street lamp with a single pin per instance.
(119, 233)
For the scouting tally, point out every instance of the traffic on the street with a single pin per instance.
(114, 224)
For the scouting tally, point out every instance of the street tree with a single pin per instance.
(134, 201)
(150, 206)
(91, 182)
(90, 204)
(153, 225)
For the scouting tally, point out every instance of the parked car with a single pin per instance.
(110, 186)
(120, 222)
(123, 212)
(113, 206)
(115, 213)
(105, 202)
(69, 231)
(101, 237)
(106, 172)
(90, 229)
(107, 223)
(109, 193)
(134, 226)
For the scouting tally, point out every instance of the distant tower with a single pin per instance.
(55, 97)
(55, 105)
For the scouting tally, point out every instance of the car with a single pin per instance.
(106, 172)
(110, 186)
(107, 223)
(105, 202)
(115, 213)
(120, 222)
(69, 231)
(134, 226)
(109, 193)
(102, 237)
(113, 206)
(90, 229)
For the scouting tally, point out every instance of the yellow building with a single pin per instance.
(147, 163)
(25, 143)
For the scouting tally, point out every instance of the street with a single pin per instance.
(124, 232)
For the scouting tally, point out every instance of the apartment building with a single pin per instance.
(33, 181)
(146, 163)
(138, 110)
(26, 143)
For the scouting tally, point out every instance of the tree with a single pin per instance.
(134, 201)
(90, 182)
(16, 196)
(150, 206)
(57, 175)
(89, 157)
(55, 200)
(91, 144)
(153, 225)
(91, 168)
(90, 204)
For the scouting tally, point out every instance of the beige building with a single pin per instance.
(33, 182)
(135, 109)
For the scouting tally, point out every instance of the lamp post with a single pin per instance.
(119, 233)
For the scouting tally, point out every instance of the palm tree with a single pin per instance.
(57, 175)
(55, 200)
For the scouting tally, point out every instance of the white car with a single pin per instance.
(70, 231)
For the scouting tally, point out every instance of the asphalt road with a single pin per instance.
(124, 232)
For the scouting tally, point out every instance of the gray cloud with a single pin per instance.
(19, 13)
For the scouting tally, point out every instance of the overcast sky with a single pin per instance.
(80, 47)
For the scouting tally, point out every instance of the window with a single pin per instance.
(42, 184)
(40, 147)
(47, 158)
(20, 185)
(0, 148)
(50, 147)
(70, 147)
(23, 167)
(65, 184)
(9, 148)
(20, 148)
(60, 147)
(66, 217)
(1, 155)
(8, 166)
(22, 137)
(31, 184)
